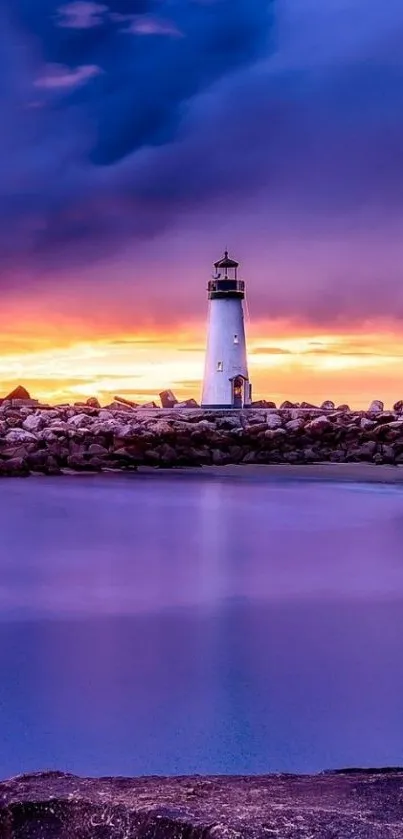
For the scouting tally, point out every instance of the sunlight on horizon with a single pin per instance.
(297, 364)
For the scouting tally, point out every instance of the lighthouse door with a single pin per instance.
(237, 392)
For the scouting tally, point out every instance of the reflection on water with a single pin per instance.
(179, 624)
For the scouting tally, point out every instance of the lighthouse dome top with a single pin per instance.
(226, 262)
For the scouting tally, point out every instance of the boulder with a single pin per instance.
(398, 407)
(99, 451)
(386, 417)
(168, 399)
(286, 405)
(118, 406)
(376, 407)
(364, 452)
(257, 429)
(228, 423)
(19, 435)
(34, 422)
(77, 462)
(295, 424)
(250, 457)
(15, 467)
(38, 460)
(123, 401)
(366, 424)
(93, 402)
(275, 433)
(317, 425)
(79, 421)
(327, 405)
(388, 454)
(273, 421)
(396, 425)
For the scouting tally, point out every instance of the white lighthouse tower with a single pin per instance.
(226, 380)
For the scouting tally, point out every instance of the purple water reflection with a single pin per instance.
(179, 624)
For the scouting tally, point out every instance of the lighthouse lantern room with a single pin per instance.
(226, 380)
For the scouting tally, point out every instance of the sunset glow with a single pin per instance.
(286, 362)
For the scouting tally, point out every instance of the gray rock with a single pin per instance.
(19, 435)
(17, 451)
(273, 421)
(77, 461)
(295, 425)
(79, 421)
(15, 467)
(388, 454)
(366, 424)
(275, 434)
(376, 407)
(95, 449)
(318, 425)
(250, 457)
(364, 452)
(34, 422)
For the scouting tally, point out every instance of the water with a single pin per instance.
(178, 624)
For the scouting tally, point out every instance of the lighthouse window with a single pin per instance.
(220, 366)
(236, 339)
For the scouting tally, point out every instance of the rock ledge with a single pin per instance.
(364, 804)
(88, 438)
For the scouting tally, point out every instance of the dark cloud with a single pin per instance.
(127, 121)
(90, 86)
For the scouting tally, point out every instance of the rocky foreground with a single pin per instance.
(88, 438)
(347, 805)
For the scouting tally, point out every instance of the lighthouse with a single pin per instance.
(226, 379)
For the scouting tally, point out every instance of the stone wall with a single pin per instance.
(85, 438)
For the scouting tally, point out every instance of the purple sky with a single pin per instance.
(139, 137)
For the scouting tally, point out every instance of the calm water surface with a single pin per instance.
(179, 624)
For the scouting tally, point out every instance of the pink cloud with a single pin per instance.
(81, 14)
(59, 77)
(147, 25)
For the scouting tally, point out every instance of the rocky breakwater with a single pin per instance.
(366, 804)
(90, 438)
